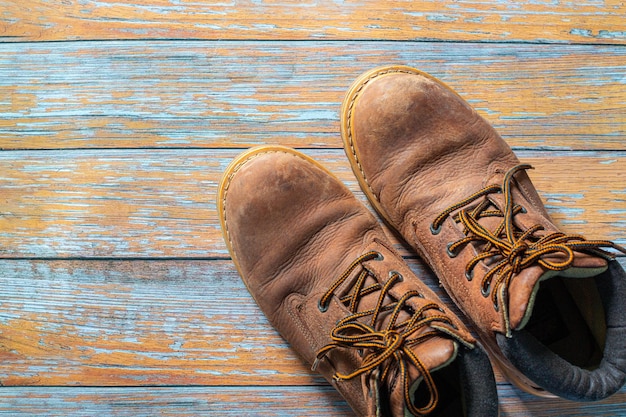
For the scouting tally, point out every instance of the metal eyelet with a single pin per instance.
(435, 231)
(485, 291)
(469, 275)
(451, 254)
(523, 210)
(322, 308)
(400, 277)
(379, 257)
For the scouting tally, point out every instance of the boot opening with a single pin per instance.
(568, 318)
(448, 382)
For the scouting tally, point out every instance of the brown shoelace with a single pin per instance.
(509, 248)
(386, 348)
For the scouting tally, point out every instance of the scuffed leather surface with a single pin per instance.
(422, 148)
(418, 148)
(293, 229)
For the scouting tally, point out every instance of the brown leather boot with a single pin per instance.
(549, 307)
(320, 267)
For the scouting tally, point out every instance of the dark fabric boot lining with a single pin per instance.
(557, 375)
(559, 324)
(449, 389)
(478, 383)
(466, 387)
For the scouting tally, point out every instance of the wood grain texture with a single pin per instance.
(118, 117)
(238, 94)
(264, 401)
(161, 203)
(189, 327)
(587, 21)
(134, 323)
(226, 401)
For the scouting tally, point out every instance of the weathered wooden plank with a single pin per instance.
(237, 94)
(135, 323)
(164, 323)
(129, 323)
(493, 20)
(226, 401)
(161, 203)
(178, 322)
(249, 401)
(516, 403)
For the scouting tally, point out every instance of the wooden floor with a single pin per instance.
(117, 118)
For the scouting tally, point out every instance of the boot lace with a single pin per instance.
(509, 248)
(386, 348)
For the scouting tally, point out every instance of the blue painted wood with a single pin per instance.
(237, 94)
(173, 401)
(162, 203)
(590, 21)
(113, 149)
(177, 338)
(251, 401)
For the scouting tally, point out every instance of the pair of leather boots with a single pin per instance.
(548, 308)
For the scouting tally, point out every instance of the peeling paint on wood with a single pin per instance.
(137, 323)
(163, 323)
(239, 94)
(117, 119)
(161, 203)
(449, 20)
(303, 401)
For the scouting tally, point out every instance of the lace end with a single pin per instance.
(315, 364)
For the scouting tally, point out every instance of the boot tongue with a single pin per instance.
(524, 286)
(434, 353)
